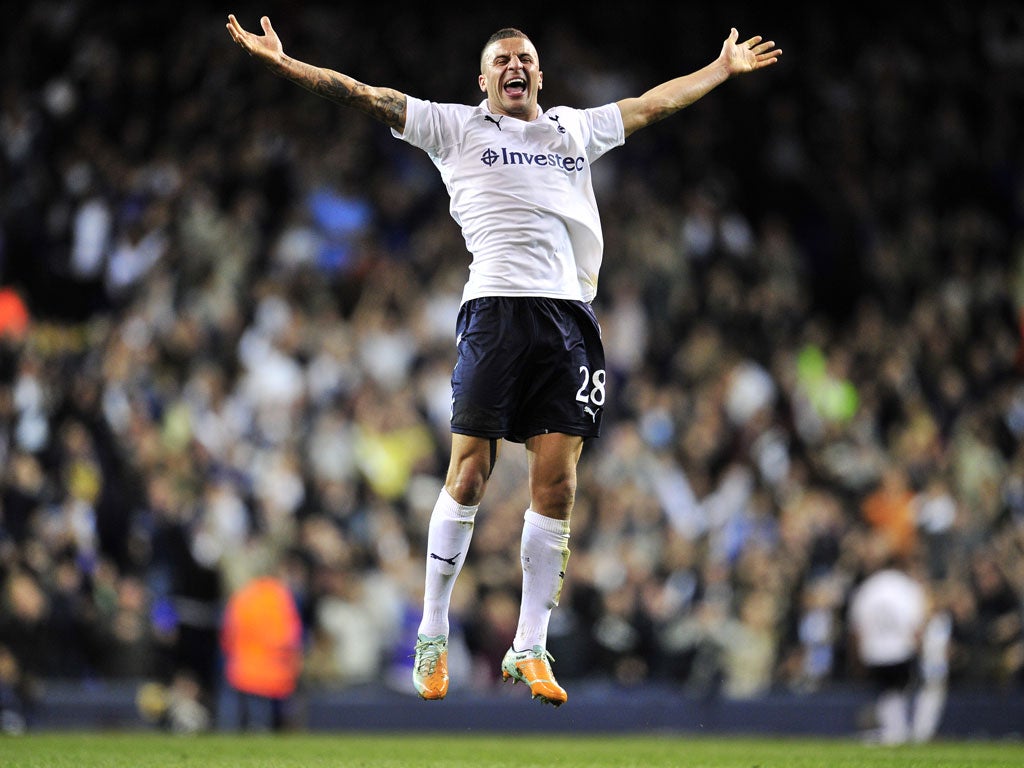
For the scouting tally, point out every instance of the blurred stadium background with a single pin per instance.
(227, 318)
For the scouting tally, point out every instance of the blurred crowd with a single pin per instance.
(226, 337)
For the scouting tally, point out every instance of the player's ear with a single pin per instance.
(483, 83)
(540, 80)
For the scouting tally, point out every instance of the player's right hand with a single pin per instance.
(266, 46)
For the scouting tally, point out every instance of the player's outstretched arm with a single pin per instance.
(663, 100)
(385, 104)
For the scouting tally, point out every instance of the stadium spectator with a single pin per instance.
(15, 696)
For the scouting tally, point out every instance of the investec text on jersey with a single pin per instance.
(509, 157)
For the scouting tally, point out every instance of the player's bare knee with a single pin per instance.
(555, 500)
(466, 486)
(468, 471)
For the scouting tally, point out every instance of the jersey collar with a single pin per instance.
(540, 113)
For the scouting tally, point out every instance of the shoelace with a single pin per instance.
(428, 653)
(544, 656)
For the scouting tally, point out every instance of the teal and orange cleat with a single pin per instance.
(430, 668)
(533, 668)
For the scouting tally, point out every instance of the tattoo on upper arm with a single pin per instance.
(390, 107)
(387, 106)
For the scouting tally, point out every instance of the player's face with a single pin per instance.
(511, 77)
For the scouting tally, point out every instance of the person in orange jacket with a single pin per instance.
(261, 636)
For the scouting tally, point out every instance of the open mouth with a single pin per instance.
(515, 86)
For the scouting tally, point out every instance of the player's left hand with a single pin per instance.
(752, 54)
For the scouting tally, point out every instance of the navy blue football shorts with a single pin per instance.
(527, 366)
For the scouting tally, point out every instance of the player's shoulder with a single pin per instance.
(582, 112)
(601, 117)
(576, 113)
(455, 113)
(450, 107)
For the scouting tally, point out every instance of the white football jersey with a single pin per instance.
(888, 612)
(521, 192)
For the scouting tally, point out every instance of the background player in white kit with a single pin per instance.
(888, 613)
(530, 363)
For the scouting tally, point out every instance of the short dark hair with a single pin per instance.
(502, 34)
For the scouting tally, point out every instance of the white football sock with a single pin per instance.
(544, 554)
(448, 537)
(893, 717)
(928, 706)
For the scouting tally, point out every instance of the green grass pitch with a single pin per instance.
(459, 750)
